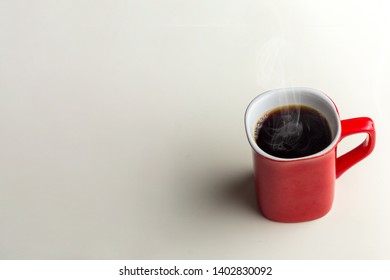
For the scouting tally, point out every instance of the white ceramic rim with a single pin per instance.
(331, 114)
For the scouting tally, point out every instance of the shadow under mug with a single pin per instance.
(302, 189)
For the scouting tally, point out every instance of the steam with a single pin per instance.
(290, 133)
(293, 131)
(285, 134)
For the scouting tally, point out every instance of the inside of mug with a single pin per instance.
(270, 100)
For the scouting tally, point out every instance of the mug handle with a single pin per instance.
(354, 126)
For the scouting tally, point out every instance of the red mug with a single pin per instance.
(302, 189)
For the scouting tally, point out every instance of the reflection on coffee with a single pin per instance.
(293, 131)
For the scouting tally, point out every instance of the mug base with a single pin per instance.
(293, 219)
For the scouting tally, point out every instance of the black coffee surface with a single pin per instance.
(293, 132)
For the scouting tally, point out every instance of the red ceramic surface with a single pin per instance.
(303, 190)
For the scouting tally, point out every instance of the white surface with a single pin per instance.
(122, 133)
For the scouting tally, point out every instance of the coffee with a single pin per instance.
(293, 131)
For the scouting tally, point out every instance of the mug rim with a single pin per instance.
(249, 130)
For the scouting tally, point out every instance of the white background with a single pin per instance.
(121, 126)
